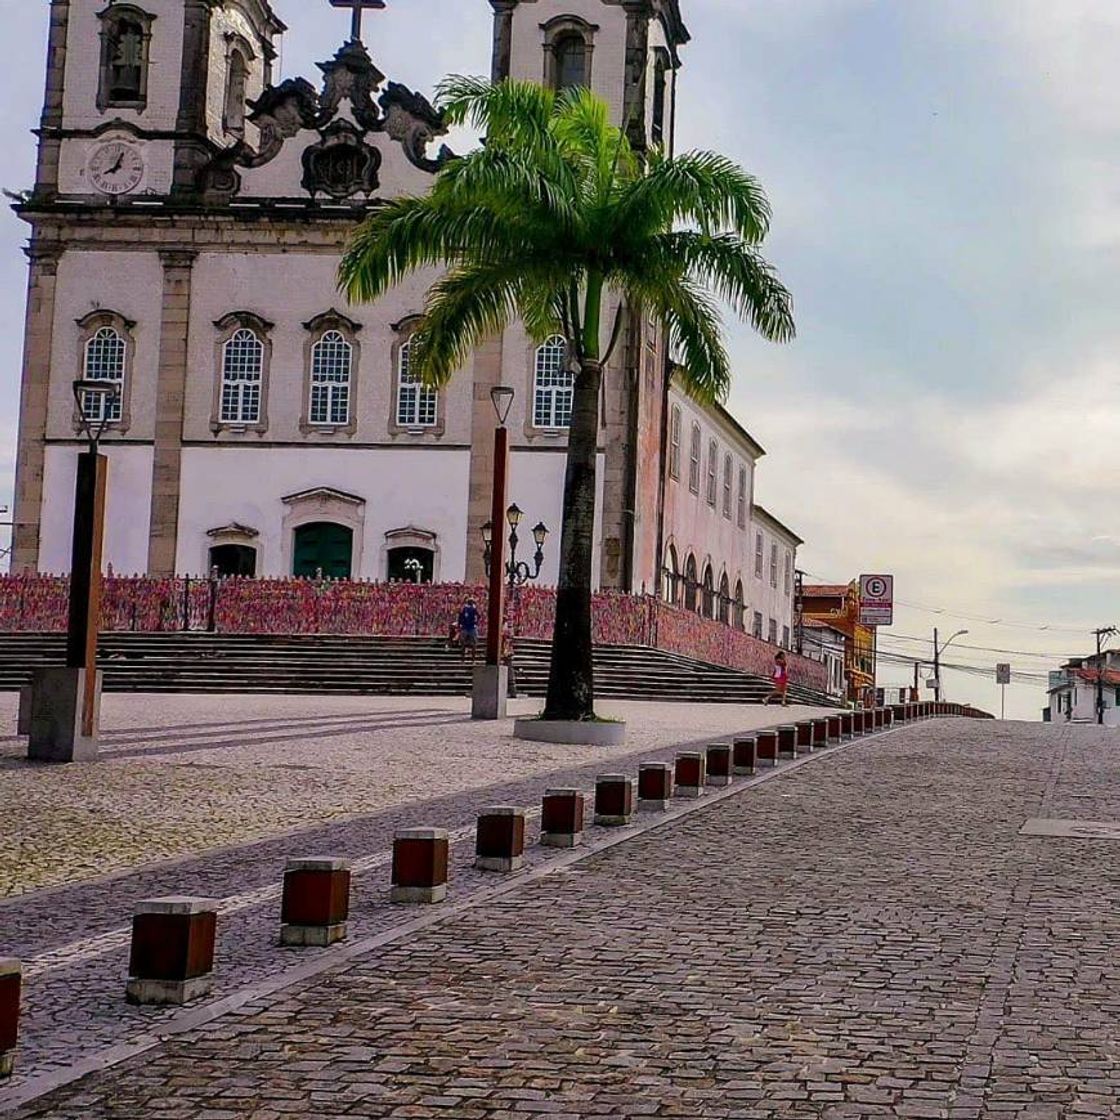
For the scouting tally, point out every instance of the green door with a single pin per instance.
(323, 548)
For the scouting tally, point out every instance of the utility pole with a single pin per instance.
(1099, 634)
(936, 667)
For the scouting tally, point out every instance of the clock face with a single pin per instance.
(116, 168)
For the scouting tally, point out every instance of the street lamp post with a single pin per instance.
(65, 703)
(517, 572)
(491, 679)
(937, 652)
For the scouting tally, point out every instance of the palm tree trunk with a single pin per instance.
(571, 684)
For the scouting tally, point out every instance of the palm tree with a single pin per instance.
(549, 217)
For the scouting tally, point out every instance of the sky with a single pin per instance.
(947, 216)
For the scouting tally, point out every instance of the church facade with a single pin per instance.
(187, 221)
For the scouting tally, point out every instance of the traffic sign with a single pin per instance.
(876, 600)
(1003, 673)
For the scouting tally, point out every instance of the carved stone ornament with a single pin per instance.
(342, 164)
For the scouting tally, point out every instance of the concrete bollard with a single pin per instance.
(766, 745)
(834, 731)
(888, 717)
(614, 800)
(846, 725)
(691, 774)
(499, 842)
(787, 741)
(172, 955)
(316, 901)
(805, 735)
(11, 979)
(880, 719)
(23, 718)
(718, 764)
(655, 785)
(743, 757)
(561, 818)
(420, 858)
(820, 732)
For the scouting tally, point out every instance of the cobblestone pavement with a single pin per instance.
(73, 939)
(183, 774)
(869, 935)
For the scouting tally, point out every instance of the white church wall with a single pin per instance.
(127, 508)
(537, 486)
(401, 487)
(691, 524)
(129, 284)
(772, 602)
(288, 290)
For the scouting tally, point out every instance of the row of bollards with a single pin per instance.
(171, 960)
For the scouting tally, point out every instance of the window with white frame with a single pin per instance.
(789, 573)
(773, 564)
(694, 460)
(553, 386)
(416, 402)
(772, 632)
(105, 356)
(756, 624)
(727, 469)
(332, 359)
(675, 443)
(713, 470)
(242, 366)
(785, 636)
(758, 556)
(741, 513)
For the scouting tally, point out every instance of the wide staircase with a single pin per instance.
(192, 662)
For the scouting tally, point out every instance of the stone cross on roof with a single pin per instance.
(357, 7)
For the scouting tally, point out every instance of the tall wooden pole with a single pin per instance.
(496, 607)
(85, 576)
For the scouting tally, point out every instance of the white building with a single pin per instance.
(187, 221)
(1074, 688)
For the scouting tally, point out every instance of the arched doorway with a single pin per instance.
(323, 548)
(411, 565)
(691, 584)
(709, 593)
(233, 560)
(724, 599)
(670, 577)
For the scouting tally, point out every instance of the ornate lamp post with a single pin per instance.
(66, 703)
(491, 679)
(518, 572)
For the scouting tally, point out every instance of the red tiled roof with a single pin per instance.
(824, 590)
(1109, 676)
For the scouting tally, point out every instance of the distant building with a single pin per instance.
(1073, 690)
(838, 606)
(823, 641)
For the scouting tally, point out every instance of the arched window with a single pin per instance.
(416, 402)
(237, 83)
(332, 359)
(126, 32)
(727, 468)
(660, 89)
(670, 576)
(691, 584)
(709, 610)
(675, 442)
(106, 352)
(741, 515)
(724, 599)
(570, 58)
(553, 386)
(242, 368)
(740, 607)
(713, 469)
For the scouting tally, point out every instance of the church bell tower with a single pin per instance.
(624, 50)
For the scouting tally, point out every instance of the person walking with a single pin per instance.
(780, 677)
(468, 629)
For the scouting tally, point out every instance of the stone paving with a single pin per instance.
(183, 774)
(73, 939)
(867, 935)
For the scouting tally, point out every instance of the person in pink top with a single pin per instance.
(780, 677)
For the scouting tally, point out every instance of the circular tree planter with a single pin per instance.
(591, 733)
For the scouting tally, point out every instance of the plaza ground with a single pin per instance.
(868, 932)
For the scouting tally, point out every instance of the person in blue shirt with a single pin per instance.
(468, 629)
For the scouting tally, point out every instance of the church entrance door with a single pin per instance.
(323, 549)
